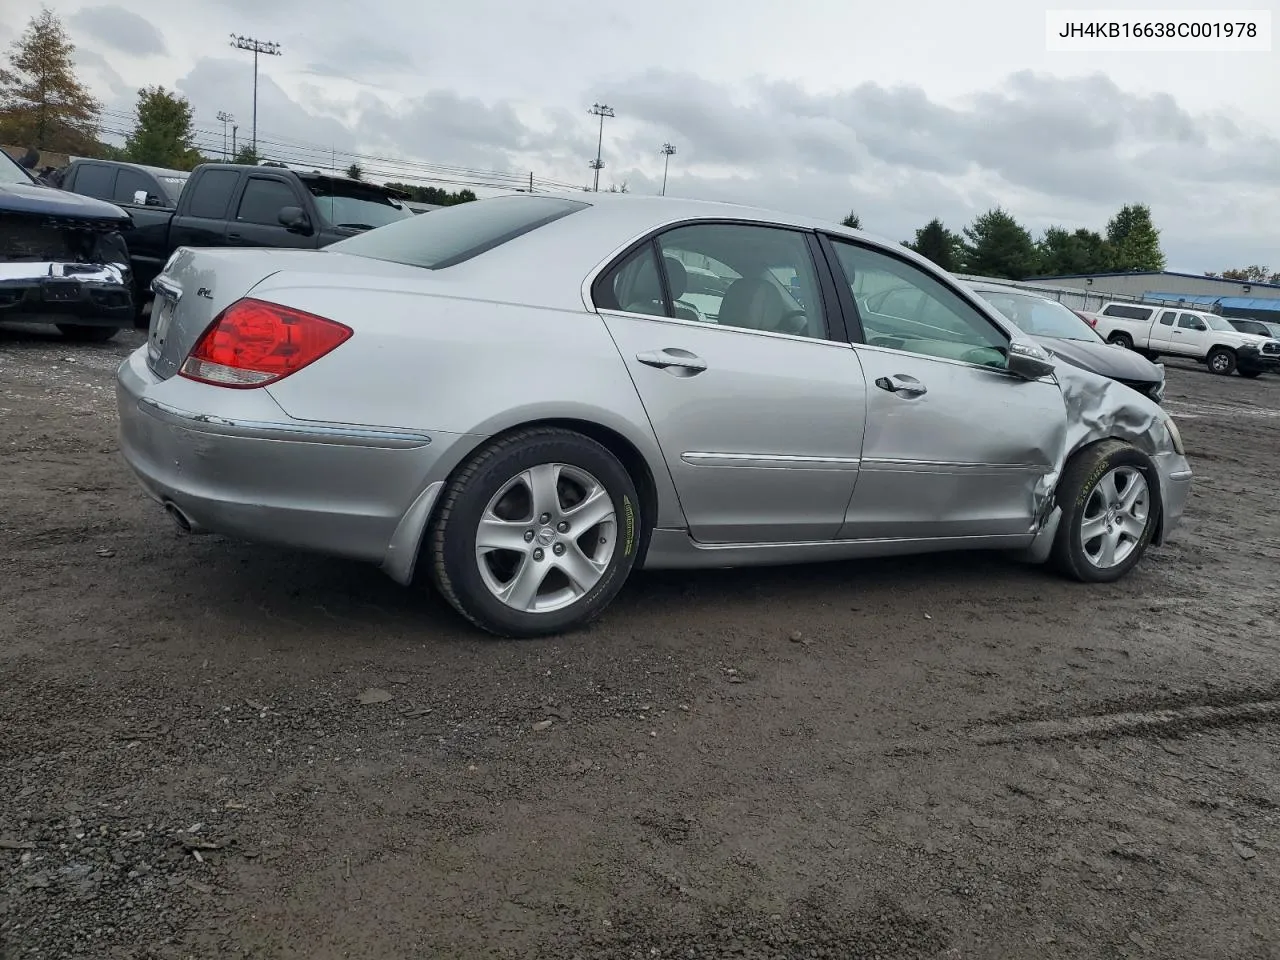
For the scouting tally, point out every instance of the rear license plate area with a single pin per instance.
(162, 308)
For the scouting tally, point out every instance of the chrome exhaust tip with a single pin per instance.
(180, 519)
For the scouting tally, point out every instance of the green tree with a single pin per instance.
(1250, 274)
(1082, 251)
(938, 244)
(246, 155)
(852, 221)
(355, 172)
(42, 104)
(1134, 239)
(996, 245)
(162, 133)
(436, 195)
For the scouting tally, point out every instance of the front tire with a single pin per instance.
(86, 333)
(1221, 361)
(536, 534)
(1110, 500)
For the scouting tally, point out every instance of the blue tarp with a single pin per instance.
(1257, 304)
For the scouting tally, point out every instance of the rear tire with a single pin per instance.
(1122, 340)
(1109, 495)
(86, 333)
(1221, 361)
(536, 533)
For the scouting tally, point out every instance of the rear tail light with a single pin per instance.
(253, 343)
(1091, 321)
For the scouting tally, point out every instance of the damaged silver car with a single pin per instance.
(63, 259)
(523, 399)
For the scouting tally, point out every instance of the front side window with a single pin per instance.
(903, 308)
(130, 183)
(750, 277)
(452, 235)
(1189, 321)
(263, 200)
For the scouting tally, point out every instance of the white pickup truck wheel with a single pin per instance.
(1221, 361)
(1121, 340)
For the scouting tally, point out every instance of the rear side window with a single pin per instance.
(212, 193)
(454, 234)
(94, 180)
(1128, 312)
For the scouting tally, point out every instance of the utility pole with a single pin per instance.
(667, 151)
(531, 181)
(257, 47)
(599, 110)
(225, 118)
(234, 151)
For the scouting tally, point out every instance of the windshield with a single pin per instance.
(351, 205)
(1217, 323)
(1040, 317)
(454, 234)
(1273, 329)
(10, 172)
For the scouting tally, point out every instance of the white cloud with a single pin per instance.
(901, 111)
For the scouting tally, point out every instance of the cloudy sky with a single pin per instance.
(901, 111)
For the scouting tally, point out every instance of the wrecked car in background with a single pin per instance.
(63, 259)
(517, 399)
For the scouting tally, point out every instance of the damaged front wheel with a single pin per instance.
(1110, 501)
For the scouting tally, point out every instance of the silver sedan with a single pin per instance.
(525, 398)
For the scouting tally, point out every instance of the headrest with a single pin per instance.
(677, 276)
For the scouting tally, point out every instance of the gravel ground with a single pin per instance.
(212, 749)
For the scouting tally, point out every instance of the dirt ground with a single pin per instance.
(942, 757)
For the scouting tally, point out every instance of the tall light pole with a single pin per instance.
(257, 47)
(599, 110)
(667, 151)
(225, 118)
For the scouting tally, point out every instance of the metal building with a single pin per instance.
(1232, 298)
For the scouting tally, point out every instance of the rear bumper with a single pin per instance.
(251, 472)
(49, 292)
(1175, 489)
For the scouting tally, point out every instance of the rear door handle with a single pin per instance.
(233, 236)
(902, 385)
(673, 358)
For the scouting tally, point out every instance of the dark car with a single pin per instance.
(63, 259)
(1063, 332)
(234, 205)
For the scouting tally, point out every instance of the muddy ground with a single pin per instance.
(955, 757)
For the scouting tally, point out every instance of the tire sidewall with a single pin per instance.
(1122, 340)
(458, 556)
(1104, 463)
(1230, 364)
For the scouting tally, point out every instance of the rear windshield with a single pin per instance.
(453, 234)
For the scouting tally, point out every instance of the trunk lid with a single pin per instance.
(200, 283)
(196, 286)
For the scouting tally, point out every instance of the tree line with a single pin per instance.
(995, 244)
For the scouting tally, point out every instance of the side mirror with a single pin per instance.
(294, 219)
(1029, 360)
(140, 197)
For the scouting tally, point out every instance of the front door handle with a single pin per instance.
(674, 359)
(902, 385)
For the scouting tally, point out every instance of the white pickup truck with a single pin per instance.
(1188, 333)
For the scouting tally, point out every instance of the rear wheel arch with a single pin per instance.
(635, 463)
